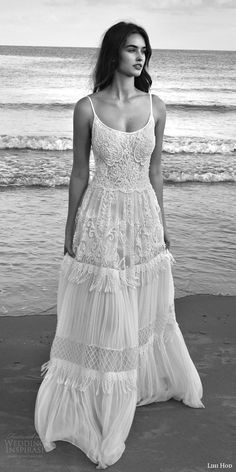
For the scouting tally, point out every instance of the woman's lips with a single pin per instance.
(138, 66)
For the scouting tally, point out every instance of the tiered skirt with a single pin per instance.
(117, 343)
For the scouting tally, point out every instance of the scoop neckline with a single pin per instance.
(118, 130)
(125, 132)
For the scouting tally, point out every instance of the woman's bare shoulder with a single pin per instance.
(82, 104)
(82, 110)
(159, 107)
(158, 102)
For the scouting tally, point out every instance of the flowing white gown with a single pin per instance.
(117, 343)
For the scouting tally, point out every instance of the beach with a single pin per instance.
(165, 436)
(40, 86)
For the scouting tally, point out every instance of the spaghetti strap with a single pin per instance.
(91, 104)
(151, 112)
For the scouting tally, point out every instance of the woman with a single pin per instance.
(117, 343)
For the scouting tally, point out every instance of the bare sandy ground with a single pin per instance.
(166, 436)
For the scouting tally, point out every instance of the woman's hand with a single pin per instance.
(68, 245)
(166, 238)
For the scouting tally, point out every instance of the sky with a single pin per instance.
(170, 24)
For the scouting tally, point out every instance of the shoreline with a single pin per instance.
(34, 244)
(181, 302)
(165, 436)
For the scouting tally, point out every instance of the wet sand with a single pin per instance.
(165, 436)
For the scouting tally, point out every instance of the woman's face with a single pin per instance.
(131, 54)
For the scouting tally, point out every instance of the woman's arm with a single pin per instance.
(80, 170)
(155, 170)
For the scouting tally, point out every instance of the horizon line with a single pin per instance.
(97, 47)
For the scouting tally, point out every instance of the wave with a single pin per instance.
(190, 88)
(220, 108)
(176, 177)
(45, 143)
(197, 145)
(171, 144)
(205, 177)
(203, 107)
(37, 106)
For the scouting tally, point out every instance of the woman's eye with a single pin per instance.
(133, 50)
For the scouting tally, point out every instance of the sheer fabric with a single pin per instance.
(117, 343)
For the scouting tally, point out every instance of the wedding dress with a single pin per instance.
(117, 344)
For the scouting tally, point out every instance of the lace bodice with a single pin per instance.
(119, 233)
(122, 158)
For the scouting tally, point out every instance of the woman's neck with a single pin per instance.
(122, 88)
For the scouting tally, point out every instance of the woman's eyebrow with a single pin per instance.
(134, 46)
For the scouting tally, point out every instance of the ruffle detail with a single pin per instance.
(176, 377)
(76, 376)
(108, 279)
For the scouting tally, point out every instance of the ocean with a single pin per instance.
(38, 89)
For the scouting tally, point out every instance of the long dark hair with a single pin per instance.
(108, 57)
